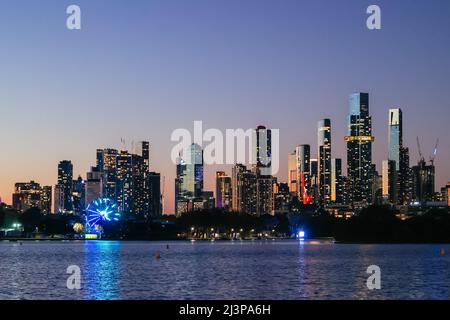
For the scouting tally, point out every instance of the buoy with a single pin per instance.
(158, 254)
(167, 246)
(442, 252)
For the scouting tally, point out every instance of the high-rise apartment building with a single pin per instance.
(324, 158)
(359, 149)
(223, 191)
(64, 187)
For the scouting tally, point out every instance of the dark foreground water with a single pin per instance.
(222, 270)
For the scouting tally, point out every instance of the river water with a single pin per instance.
(221, 270)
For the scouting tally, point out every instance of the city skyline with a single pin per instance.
(129, 174)
(143, 90)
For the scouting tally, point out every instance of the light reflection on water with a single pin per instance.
(221, 270)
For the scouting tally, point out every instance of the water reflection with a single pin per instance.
(101, 276)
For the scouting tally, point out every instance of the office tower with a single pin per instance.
(264, 194)
(389, 173)
(78, 195)
(404, 178)
(236, 196)
(359, 149)
(282, 197)
(262, 150)
(223, 191)
(189, 180)
(395, 136)
(46, 199)
(29, 195)
(243, 190)
(377, 187)
(58, 199)
(247, 192)
(93, 185)
(292, 172)
(154, 191)
(99, 160)
(314, 180)
(303, 153)
(107, 166)
(336, 181)
(346, 191)
(124, 182)
(400, 155)
(139, 185)
(146, 154)
(65, 186)
(324, 158)
(423, 181)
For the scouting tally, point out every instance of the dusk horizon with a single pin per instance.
(227, 158)
(285, 66)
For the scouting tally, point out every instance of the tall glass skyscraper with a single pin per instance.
(262, 150)
(189, 180)
(324, 158)
(395, 136)
(64, 187)
(400, 155)
(359, 149)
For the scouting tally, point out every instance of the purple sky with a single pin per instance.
(141, 69)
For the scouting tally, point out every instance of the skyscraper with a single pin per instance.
(359, 149)
(140, 194)
(262, 150)
(336, 181)
(124, 182)
(29, 195)
(223, 191)
(395, 136)
(282, 198)
(189, 180)
(324, 158)
(146, 154)
(265, 203)
(107, 165)
(93, 185)
(236, 195)
(78, 195)
(155, 203)
(423, 182)
(244, 190)
(389, 174)
(400, 155)
(303, 153)
(292, 173)
(65, 186)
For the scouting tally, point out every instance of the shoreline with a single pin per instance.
(314, 241)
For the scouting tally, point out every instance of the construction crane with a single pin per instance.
(420, 151)
(433, 155)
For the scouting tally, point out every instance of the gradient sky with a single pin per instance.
(140, 69)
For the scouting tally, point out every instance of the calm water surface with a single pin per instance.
(222, 270)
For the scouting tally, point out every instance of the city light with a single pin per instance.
(301, 235)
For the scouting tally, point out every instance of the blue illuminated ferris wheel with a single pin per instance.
(100, 211)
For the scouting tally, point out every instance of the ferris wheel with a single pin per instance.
(100, 211)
